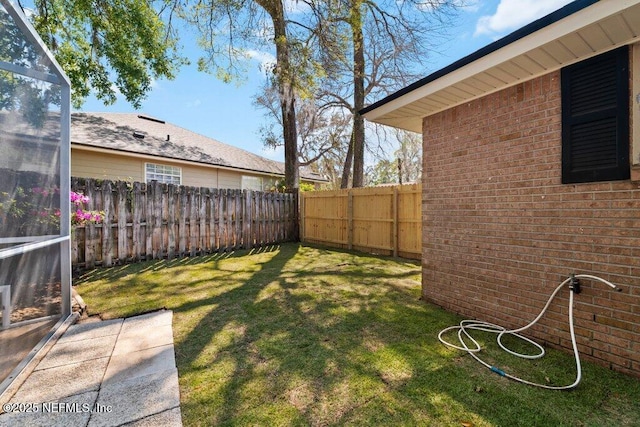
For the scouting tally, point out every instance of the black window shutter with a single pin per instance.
(595, 119)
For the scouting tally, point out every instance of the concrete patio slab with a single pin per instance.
(135, 338)
(77, 378)
(88, 330)
(114, 373)
(66, 353)
(69, 411)
(167, 418)
(131, 400)
(139, 363)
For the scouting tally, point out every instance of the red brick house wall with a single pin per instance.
(501, 231)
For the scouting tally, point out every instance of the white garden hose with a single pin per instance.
(466, 325)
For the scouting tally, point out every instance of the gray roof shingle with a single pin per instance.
(136, 133)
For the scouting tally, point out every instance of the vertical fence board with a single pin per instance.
(74, 231)
(246, 219)
(157, 249)
(148, 221)
(137, 206)
(164, 219)
(222, 226)
(107, 239)
(261, 219)
(90, 228)
(238, 228)
(211, 219)
(215, 218)
(121, 202)
(171, 221)
(182, 221)
(193, 204)
(202, 220)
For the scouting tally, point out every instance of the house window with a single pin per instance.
(595, 119)
(163, 173)
(251, 183)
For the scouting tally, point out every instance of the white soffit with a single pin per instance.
(601, 27)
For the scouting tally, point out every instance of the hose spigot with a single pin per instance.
(574, 284)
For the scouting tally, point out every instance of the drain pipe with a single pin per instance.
(468, 325)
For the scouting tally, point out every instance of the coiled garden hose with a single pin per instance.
(467, 325)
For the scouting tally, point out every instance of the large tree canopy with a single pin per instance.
(387, 44)
(109, 46)
(232, 30)
(342, 54)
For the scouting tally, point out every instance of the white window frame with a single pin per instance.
(255, 180)
(163, 173)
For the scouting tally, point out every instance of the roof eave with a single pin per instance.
(406, 108)
(156, 157)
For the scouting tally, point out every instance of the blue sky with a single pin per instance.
(199, 102)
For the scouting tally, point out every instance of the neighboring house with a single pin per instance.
(531, 171)
(130, 146)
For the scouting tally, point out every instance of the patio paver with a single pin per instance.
(120, 372)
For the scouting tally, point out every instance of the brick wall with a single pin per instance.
(501, 231)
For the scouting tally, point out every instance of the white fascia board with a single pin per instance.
(578, 20)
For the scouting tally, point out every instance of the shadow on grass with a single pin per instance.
(309, 336)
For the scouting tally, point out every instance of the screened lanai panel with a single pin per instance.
(35, 283)
(29, 166)
(30, 133)
(36, 302)
(20, 49)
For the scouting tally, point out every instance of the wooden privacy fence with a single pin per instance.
(384, 220)
(154, 221)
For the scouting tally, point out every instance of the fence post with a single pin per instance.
(148, 222)
(222, 220)
(137, 207)
(158, 251)
(182, 221)
(107, 241)
(395, 221)
(212, 220)
(193, 237)
(90, 228)
(350, 219)
(237, 197)
(202, 213)
(74, 231)
(245, 227)
(122, 189)
(171, 221)
(302, 216)
(215, 218)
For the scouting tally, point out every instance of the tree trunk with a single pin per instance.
(358, 93)
(285, 80)
(348, 161)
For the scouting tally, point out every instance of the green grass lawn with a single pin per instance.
(299, 335)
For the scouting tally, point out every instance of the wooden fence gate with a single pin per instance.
(155, 221)
(383, 220)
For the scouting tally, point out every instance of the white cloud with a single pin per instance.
(513, 14)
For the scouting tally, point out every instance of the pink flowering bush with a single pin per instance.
(80, 216)
(35, 211)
